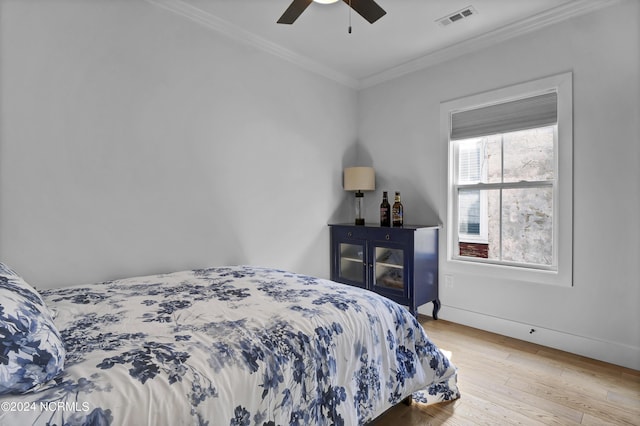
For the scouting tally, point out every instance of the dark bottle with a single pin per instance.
(397, 213)
(385, 210)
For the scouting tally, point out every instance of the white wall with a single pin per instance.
(135, 141)
(599, 315)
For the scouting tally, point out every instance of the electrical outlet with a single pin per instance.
(448, 281)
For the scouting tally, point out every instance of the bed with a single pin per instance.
(233, 345)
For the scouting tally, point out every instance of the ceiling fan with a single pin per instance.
(368, 9)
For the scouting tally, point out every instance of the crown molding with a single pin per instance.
(243, 36)
(534, 23)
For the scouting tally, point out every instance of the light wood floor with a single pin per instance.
(508, 381)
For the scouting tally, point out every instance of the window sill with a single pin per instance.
(560, 277)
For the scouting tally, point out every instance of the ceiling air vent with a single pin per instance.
(457, 16)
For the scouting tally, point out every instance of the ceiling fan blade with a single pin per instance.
(368, 9)
(294, 10)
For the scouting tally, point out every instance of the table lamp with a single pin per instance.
(359, 179)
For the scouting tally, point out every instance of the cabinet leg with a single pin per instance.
(414, 311)
(436, 308)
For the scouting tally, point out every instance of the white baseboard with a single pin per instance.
(611, 352)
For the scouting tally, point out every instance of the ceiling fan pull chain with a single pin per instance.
(350, 9)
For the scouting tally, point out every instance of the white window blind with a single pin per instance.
(520, 114)
(469, 169)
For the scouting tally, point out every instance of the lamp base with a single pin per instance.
(359, 208)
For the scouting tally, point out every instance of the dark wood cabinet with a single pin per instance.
(398, 263)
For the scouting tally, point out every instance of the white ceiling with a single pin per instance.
(406, 38)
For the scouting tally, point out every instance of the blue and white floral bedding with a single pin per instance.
(231, 346)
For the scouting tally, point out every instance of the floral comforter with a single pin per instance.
(232, 346)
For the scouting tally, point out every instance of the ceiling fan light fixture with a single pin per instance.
(325, 1)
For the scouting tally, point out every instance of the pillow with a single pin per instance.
(31, 349)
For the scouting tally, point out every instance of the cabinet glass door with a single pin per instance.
(389, 268)
(352, 263)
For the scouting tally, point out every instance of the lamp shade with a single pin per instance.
(359, 179)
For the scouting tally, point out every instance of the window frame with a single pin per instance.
(561, 273)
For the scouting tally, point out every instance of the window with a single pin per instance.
(472, 213)
(510, 181)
